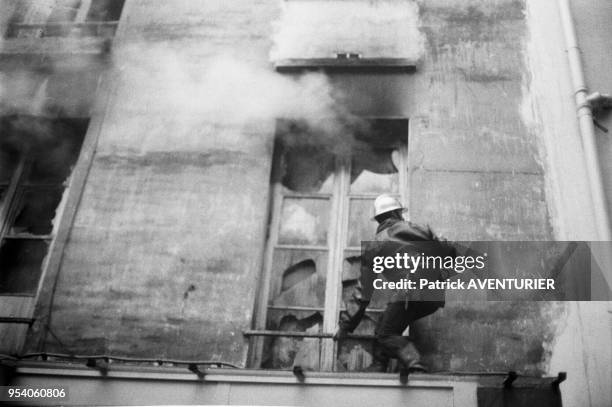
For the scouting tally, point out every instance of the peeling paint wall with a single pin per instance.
(8, 6)
(593, 26)
(165, 252)
(584, 333)
(477, 174)
(166, 247)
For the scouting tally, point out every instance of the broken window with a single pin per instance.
(37, 155)
(62, 18)
(321, 210)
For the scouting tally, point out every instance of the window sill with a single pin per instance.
(214, 374)
(177, 373)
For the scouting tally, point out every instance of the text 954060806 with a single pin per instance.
(26, 393)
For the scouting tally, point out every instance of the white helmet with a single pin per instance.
(386, 203)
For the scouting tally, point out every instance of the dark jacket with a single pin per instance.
(398, 236)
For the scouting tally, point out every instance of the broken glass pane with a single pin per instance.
(375, 156)
(373, 170)
(20, 265)
(298, 278)
(305, 168)
(286, 352)
(297, 273)
(35, 210)
(357, 354)
(301, 162)
(304, 221)
(361, 225)
(293, 320)
(389, 133)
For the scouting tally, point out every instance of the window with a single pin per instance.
(323, 189)
(36, 158)
(64, 18)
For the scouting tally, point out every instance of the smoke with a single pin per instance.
(34, 112)
(319, 29)
(22, 99)
(23, 92)
(195, 93)
(224, 86)
(228, 91)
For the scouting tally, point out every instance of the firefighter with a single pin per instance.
(405, 306)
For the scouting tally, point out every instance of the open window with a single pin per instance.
(37, 155)
(64, 18)
(323, 190)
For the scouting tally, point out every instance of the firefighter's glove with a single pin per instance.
(341, 333)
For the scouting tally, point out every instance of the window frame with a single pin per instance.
(16, 308)
(22, 311)
(337, 245)
(20, 183)
(8, 216)
(31, 24)
(37, 309)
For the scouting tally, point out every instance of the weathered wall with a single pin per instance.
(582, 343)
(475, 169)
(165, 250)
(592, 19)
(477, 174)
(7, 7)
(166, 247)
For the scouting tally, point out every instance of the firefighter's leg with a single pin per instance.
(380, 359)
(393, 322)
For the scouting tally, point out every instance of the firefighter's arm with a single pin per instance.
(357, 305)
(349, 321)
(447, 248)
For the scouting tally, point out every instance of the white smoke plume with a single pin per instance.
(227, 91)
(224, 86)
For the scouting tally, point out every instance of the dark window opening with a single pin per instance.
(105, 10)
(20, 262)
(39, 156)
(34, 210)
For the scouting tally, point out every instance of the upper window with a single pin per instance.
(322, 184)
(36, 158)
(65, 18)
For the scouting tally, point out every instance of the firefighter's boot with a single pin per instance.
(403, 349)
(380, 360)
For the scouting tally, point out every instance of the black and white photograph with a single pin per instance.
(306, 203)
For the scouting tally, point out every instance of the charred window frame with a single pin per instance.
(37, 156)
(87, 18)
(320, 186)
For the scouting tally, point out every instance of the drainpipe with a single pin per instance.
(587, 127)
